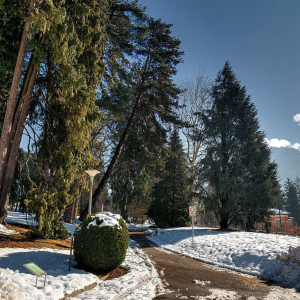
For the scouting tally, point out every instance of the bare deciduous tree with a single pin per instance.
(195, 99)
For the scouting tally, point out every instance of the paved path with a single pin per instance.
(186, 278)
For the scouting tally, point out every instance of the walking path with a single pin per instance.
(185, 278)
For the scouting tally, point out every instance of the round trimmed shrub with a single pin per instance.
(101, 242)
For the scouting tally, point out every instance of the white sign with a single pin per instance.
(192, 211)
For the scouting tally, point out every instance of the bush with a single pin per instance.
(101, 242)
(53, 230)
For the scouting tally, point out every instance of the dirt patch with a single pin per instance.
(118, 272)
(23, 240)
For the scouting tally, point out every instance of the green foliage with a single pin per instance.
(132, 180)
(85, 50)
(138, 103)
(68, 40)
(48, 206)
(171, 193)
(146, 80)
(100, 249)
(241, 181)
(291, 199)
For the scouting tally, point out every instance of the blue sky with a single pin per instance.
(261, 40)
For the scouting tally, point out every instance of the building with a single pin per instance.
(280, 220)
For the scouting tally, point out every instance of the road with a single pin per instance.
(185, 278)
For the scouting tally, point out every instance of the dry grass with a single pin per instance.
(23, 240)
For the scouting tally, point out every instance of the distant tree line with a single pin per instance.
(290, 199)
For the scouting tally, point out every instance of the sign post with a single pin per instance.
(36, 270)
(70, 258)
(192, 213)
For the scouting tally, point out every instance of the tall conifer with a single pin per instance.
(240, 179)
(291, 199)
(149, 90)
(171, 194)
(60, 64)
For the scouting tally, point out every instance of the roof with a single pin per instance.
(276, 211)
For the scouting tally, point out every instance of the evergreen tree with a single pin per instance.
(237, 171)
(171, 194)
(148, 88)
(60, 62)
(133, 177)
(291, 200)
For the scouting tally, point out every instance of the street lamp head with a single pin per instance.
(92, 172)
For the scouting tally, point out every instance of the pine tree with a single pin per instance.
(171, 194)
(291, 200)
(133, 177)
(148, 91)
(241, 180)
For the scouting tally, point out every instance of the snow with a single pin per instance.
(5, 231)
(106, 219)
(138, 227)
(268, 256)
(264, 255)
(17, 283)
(276, 211)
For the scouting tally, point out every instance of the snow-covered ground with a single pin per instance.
(259, 254)
(17, 283)
(265, 255)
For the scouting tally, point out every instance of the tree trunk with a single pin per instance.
(71, 210)
(224, 224)
(68, 214)
(76, 204)
(18, 126)
(10, 110)
(12, 101)
(114, 159)
(10, 140)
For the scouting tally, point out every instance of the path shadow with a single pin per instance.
(140, 238)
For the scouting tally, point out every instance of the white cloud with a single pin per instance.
(296, 145)
(276, 143)
(297, 118)
(279, 143)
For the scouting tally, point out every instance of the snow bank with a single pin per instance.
(17, 283)
(252, 253)
(139, 283)
(288, 270)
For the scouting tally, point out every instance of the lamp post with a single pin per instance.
(92, 174)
